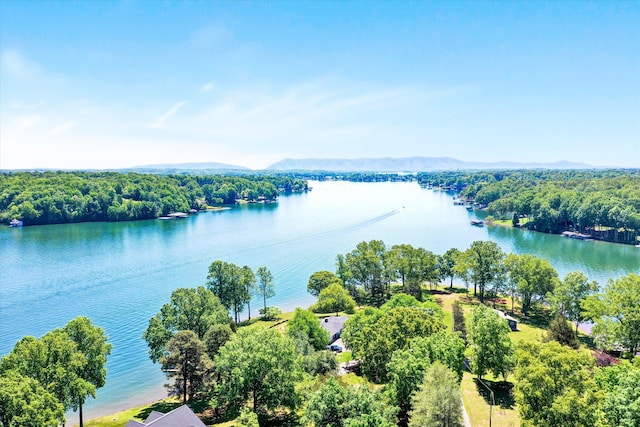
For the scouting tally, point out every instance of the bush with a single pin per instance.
(270, 313)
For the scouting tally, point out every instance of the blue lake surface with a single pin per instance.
(119, 274)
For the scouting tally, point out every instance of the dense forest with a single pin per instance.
(604, 204)
(64, 197)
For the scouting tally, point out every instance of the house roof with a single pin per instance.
(333, 324)
(182, 416)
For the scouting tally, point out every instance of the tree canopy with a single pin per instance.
(64, 197)
(193, 309)
(258, 364)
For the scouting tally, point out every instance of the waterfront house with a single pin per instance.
(182, 416)
(333, 325)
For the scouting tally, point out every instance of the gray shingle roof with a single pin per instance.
(179, 417)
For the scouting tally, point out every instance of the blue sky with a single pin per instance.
(107, 84)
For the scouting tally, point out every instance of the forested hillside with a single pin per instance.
(605, 204)
(63, 197)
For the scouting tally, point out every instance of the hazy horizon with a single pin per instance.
(108, 85)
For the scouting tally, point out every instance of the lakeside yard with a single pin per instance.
(476, 397)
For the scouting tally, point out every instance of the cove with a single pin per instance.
(119, 274)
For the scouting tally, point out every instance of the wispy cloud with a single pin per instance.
(207, 87)
(166, 116)
(62, 127)
(17, 66)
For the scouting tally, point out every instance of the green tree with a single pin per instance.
(374, 337)
(306, 323)
(266, 287)
(622, 404)
(459, 324)
(437, 402)
(617, 312)
(483, 262)
(569, 295)
(560, 331)
(489, 343)
(364, 268)
(91, 341)
(25, 402)
(534, 278)
(334, 298)
(225, 280)
(334, 405)
(258, 364)
(187, 361)
(216, 336)
(55, 362)
(189, 309)
(413, 266)
(248, 280)
(407, 367)
(447, 263)
(555, 386)
(320, 280)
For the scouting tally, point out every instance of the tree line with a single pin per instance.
(65, 197)
(605, 204)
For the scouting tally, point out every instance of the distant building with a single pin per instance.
(333, 325)
(179, 417)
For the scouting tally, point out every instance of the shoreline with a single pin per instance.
(148, 397)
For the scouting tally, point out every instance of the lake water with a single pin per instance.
(119, 274)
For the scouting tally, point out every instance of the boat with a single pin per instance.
(469, 207)
(477, 222)
(16, 223)
(578, 236)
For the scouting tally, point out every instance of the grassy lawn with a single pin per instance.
(477, 403)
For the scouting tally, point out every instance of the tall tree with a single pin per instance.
(266, 287)
(91, 341)
(366, 269)
(447, 263)
(413, 266)
(193, 309)
(533, 277)
(26, 402)
(407, 367)
(569, 295)
(483, 261)
(320, 280)
(225, 281)
(459, 324)
(258, 364)
(555, 386)
(490, 344)
(187, 361)
(55, 362)
(248, 280)
(437, 402)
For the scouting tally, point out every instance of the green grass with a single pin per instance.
(345, 356)
(476, 401)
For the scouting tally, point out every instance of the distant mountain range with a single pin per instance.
(191, 166)
(411, 164)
